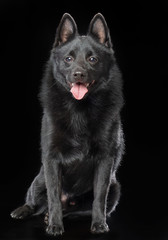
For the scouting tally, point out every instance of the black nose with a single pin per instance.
(79, 76)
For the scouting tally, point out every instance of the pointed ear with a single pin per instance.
(66, 30)
(98, 30)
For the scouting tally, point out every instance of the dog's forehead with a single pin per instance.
(83, 40)
(82, 43)
(83, 36)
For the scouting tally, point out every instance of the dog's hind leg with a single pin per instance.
(35, 200)
(83, 206)
(36, 195)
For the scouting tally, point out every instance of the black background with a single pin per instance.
(139, 35)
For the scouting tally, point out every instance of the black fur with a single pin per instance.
(81, 140)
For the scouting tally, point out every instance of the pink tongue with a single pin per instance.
(79, 91)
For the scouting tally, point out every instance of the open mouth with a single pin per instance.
(79, 89)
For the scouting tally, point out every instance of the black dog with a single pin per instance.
(81, 137)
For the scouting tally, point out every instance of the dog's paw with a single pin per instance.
(22, 212)
(55, 230)
(99, 227)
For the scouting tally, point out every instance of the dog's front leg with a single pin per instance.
(52, 171)
(101, 188)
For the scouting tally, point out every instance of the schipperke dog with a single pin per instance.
(81, 134)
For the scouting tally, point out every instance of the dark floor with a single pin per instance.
(125, 224)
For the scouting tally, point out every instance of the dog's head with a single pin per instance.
(80, 63)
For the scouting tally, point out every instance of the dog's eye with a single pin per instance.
(92, 60)
(68, 59)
